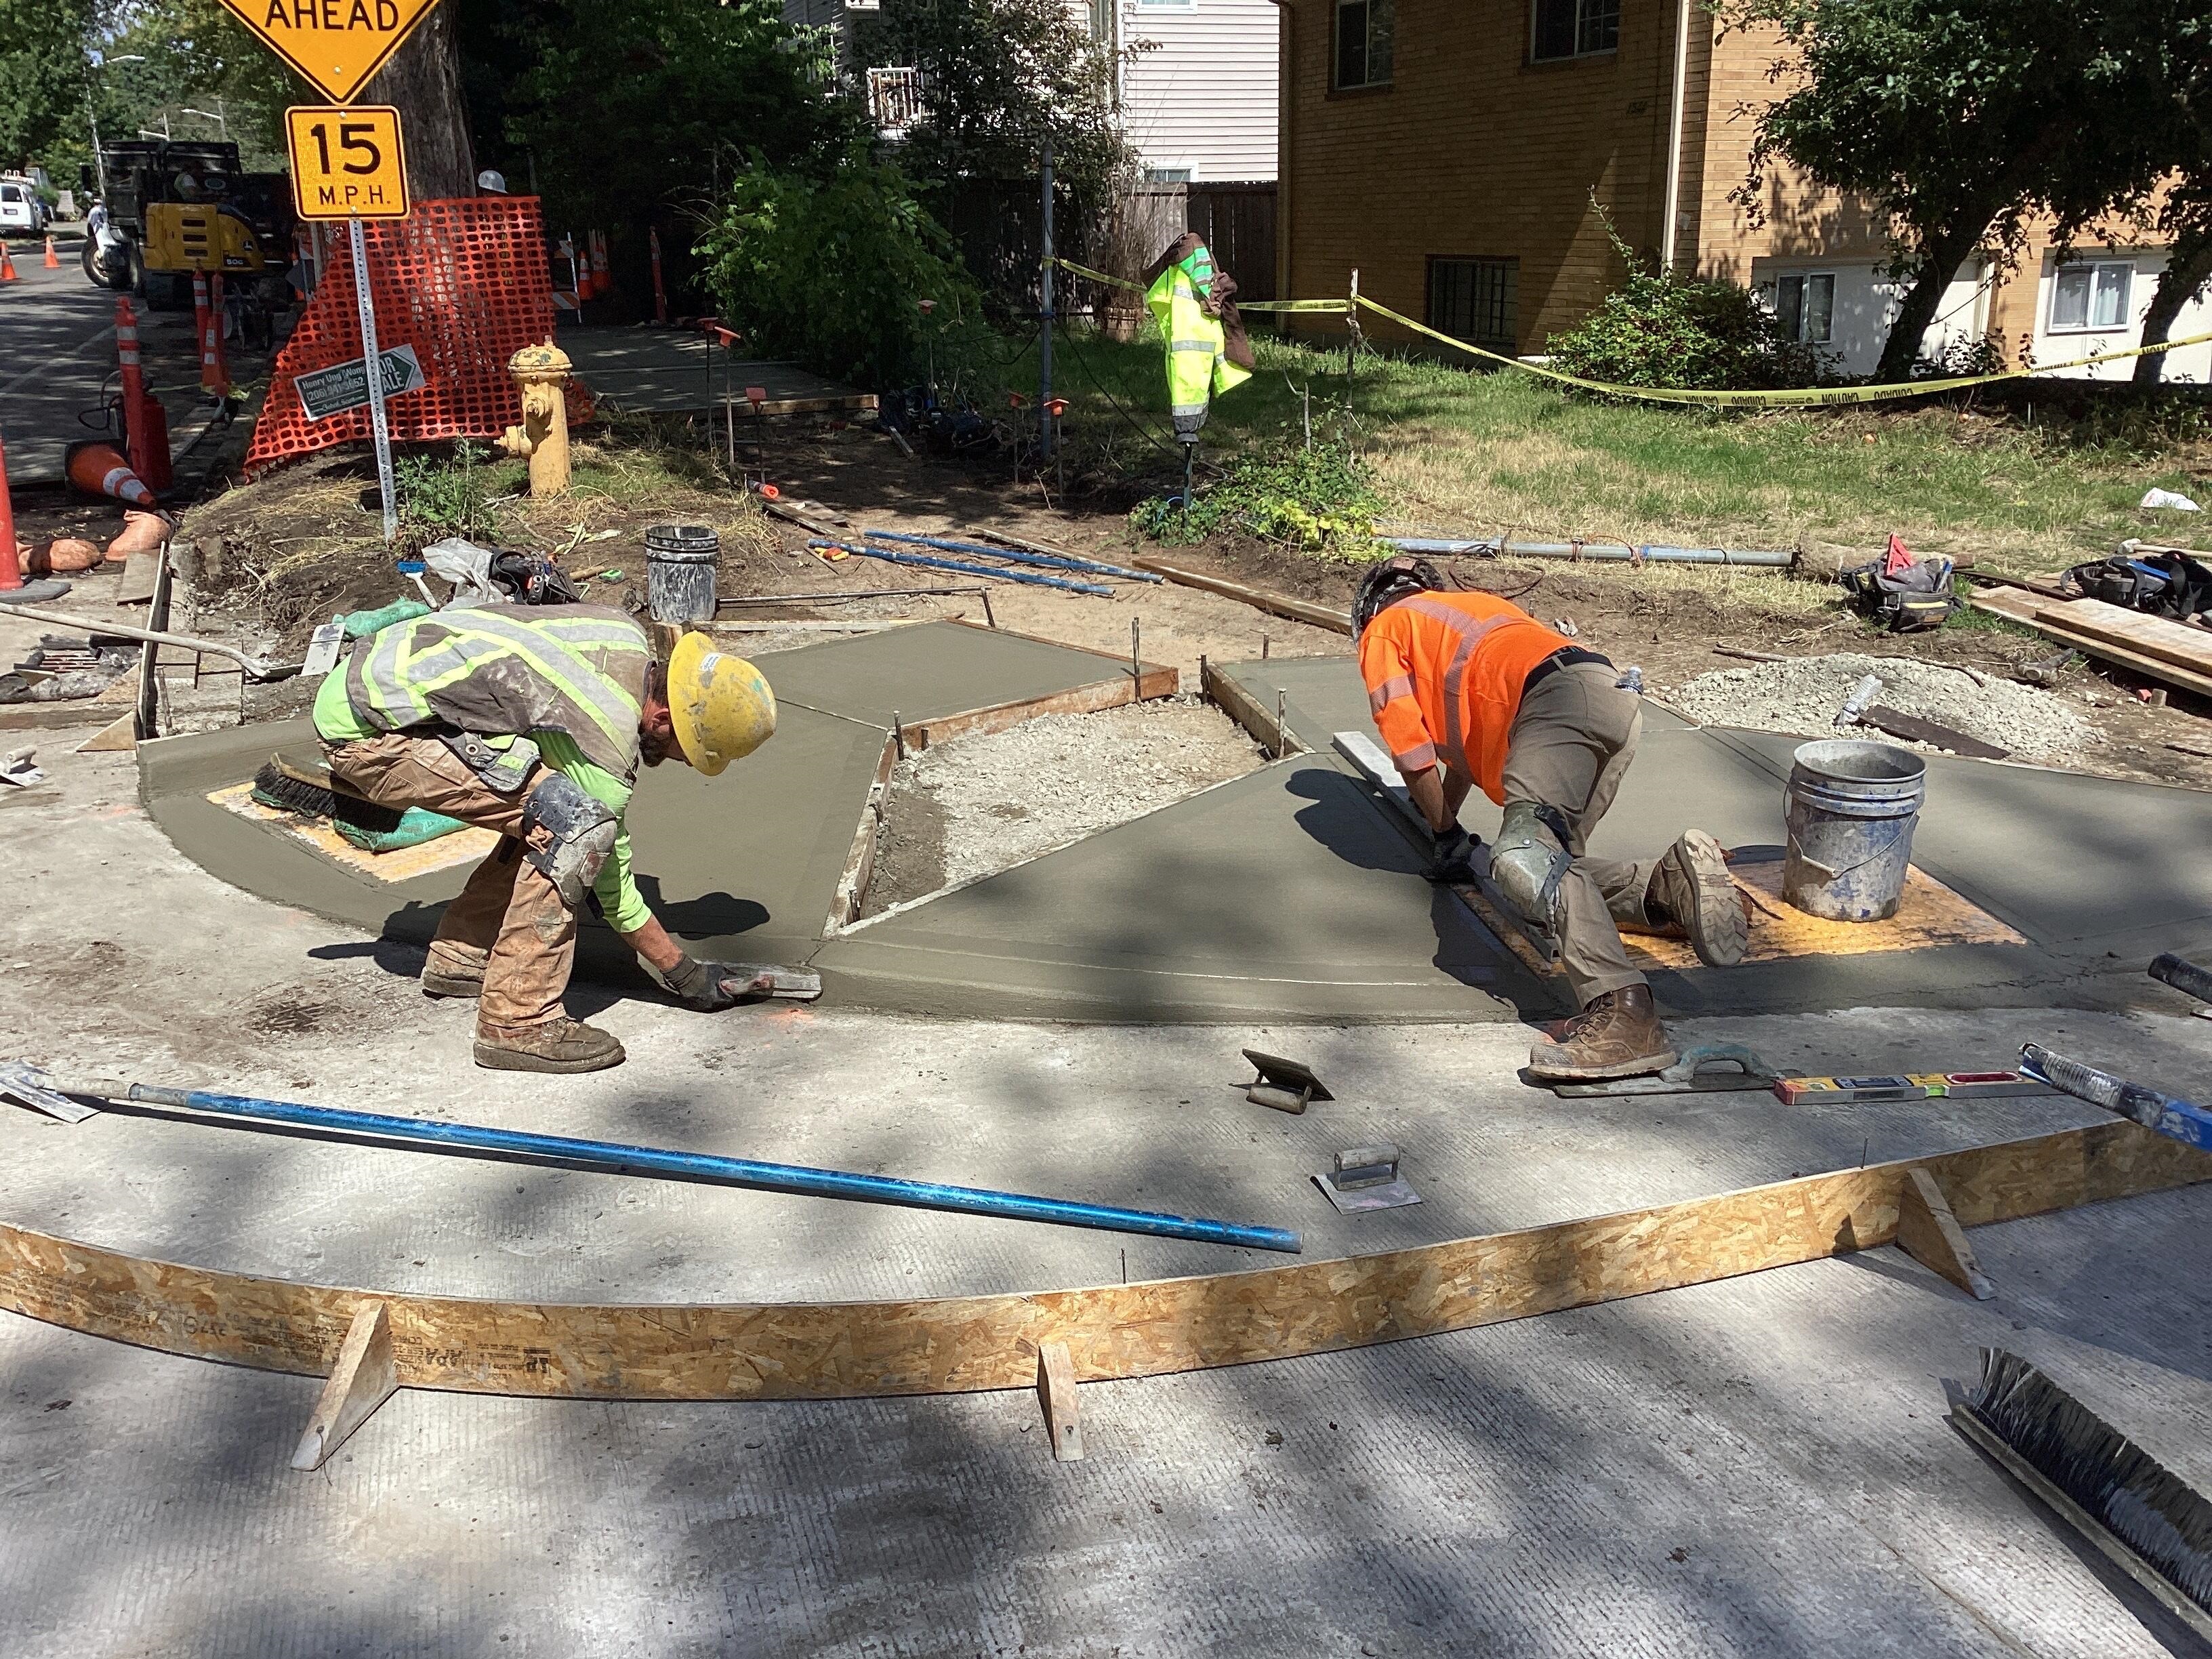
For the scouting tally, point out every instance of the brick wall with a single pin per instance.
(1472, 152)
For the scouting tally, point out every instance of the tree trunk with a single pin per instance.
(422, 81)
(1902, 349)
(2188, 267)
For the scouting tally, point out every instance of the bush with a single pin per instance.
(832, 271)
(1320, 498)
(1662, 330)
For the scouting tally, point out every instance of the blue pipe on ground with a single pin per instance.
(616, 1157)
(1054, 561)
(1032, 577)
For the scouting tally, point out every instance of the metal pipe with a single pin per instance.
(258, 668)
(617, 1157)
(1613, 552)
(928, 564)
(2176, 1119)
(1044, 338)
(1050, 561)
(861, 593)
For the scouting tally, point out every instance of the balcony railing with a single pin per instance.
(894, 98)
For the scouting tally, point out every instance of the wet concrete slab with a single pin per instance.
(928, 672)
(1281, 895)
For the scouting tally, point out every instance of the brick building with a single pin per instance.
(1449, 150)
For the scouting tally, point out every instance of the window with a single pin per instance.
(1573, 28)
(1363, 43)
(1472, 300)
(2087, 297)
(1168, 5)
(1805, 306)
(1167, 175)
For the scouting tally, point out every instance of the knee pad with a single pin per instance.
(1528, 861)
(580, 833)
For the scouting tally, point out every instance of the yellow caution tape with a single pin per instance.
(1334, 307)
(1795, 397)
(1799, 398)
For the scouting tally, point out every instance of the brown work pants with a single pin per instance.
(508, 925)
(1569, 747)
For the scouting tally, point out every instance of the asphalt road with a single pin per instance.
(57, 359)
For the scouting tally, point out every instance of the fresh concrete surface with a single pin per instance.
(1757, 1467)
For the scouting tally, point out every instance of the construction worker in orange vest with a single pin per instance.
(1467, 690)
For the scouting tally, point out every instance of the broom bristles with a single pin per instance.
(2160, 1516)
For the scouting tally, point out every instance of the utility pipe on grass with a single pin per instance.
(1614, 552)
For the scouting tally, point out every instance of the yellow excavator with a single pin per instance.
(174, 208)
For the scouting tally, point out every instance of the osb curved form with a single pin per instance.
(956, 1345)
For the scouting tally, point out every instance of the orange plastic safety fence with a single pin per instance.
(464, 281)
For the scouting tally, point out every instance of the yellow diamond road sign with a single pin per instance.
(337, 45)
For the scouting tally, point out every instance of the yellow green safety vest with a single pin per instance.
(509, 669)
(1197, 370)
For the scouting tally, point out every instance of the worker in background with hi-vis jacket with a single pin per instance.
(533, 720)
(1467, 690)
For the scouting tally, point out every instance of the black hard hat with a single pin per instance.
(1393, 579)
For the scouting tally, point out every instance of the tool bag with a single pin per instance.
(1902, 593)
(2160, 584)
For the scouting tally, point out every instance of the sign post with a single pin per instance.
(338, 49)
(351, 164)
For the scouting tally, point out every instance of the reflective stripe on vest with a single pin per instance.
(393, 683)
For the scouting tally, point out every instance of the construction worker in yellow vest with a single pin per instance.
(533, 720)
(1208, 354)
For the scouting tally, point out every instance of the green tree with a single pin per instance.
(998, 77)
(832, 271)
(1960, 119)
(42, 75)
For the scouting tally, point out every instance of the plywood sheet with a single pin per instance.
(464, 847)
(852, 1350)
(1929, 915)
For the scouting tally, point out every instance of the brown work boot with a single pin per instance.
(1691, 890)
(1619, 1034)
(558, 1045)
(444, 983)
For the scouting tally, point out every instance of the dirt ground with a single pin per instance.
(273, 558)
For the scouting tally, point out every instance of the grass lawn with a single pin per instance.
(1481, 454)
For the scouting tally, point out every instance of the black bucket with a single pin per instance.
(679, 572)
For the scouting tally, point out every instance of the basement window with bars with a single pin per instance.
(1805, 306)
(2090, 298)
(1573, 28)
(1474, 300)
(1363, 34)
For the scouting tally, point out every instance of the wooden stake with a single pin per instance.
(1056, 1383)
(364, 1378)
(1931, 1235)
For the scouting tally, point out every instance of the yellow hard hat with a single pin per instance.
(721, 704)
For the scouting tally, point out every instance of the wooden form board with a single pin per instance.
(2053, 618)
(1275, 604)
(962, 1345)
(1273, 736)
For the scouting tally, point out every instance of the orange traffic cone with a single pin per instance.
(7, 266)
(53, 259)
(99, 469)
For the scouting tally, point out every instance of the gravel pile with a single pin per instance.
(977, 804)
(1803, 693)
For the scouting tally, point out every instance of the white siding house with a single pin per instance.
(1198, 93)
(1198, 82)
(2090, 305)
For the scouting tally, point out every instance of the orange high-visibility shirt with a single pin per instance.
(1443, 674)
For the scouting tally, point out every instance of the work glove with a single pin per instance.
(1454, 863)
(707, 987)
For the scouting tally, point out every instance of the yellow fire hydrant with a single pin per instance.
(542, 372)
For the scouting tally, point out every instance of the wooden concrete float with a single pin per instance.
(852, 1350)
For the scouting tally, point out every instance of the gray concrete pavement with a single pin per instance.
(57, 362)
